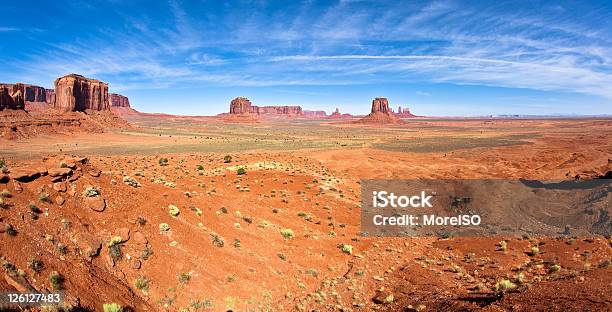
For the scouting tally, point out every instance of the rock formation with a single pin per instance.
(11, 98)
(380, 114)
(404, 113)
(118, 100)
(242, 106)
(30, 93)
(314, 114)
(50, 98)
(335, 114)
(77, 93)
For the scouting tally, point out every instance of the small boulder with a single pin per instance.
(59, 187)
(96, 203)
(88, 244)
(24, 175)
(136, 264)
(18, 187)
(124, 233)
(60, 172)
(60, 200)
(140, 239)
(94, 172)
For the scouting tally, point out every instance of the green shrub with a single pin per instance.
(163, 227)
(287, 233)
(184, 277)
(241, 171)
(142, 283)
(504, 285)
(91, 192)
(347, 249)
(200, 167)
(131, 181)
(163, 161)
(43, 197)
(36, 265)
(227, 159)
(554, 268)
(112, 307)
(56, 280)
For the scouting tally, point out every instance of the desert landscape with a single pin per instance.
(258, 209)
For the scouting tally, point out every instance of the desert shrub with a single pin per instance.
(91, 191)
(282, 256)
(10, 230)
(56, 280)
(142, 283)
(217, 240)
(163, 161)
(227, 159)
(534, 251)
(241, 171)
(504, 285)
(347, 249)
(184, 277)
(197, 210)
(163, 227)
(503, 245)
(112, 307)
(62, 249)
(63, 164)
(146, 253)
(141, 220)
(287, 233)
(131, 181)
(2, 163)
(36, 265)
(554, 268)
(114, 241)
(313, 272)
(43, 197)
(174, 210)
(115, 252)
(4, 204)
(200, 167)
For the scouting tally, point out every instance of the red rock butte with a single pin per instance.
(118, 100)
(380, 114)
(242, 106)
(76, 93)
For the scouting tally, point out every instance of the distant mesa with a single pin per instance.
(314, 114)
(75, 93)
(118, 100)
(380, 114)
(404, 113)
(242, 106)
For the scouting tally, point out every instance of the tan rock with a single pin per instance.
(24, 175)
(124, 233)
(59, 187)
(60, 172)
(60, 200)
(96, 203)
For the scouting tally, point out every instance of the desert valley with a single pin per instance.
(258, 209)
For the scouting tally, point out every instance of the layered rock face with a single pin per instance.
(30, 93)
(50, 98)
(118, 100)
(77, 93)
(380, 105)
(242, 106)
(10, 99)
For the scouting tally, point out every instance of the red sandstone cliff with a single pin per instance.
(77, 93)
(30, 93)
(118, 100)
(242, 106)
(11, 98)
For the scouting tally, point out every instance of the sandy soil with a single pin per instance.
(225, 250)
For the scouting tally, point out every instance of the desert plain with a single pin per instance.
(195, 213)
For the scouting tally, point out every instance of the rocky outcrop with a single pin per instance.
(380, 105)
(11, 98)
(336, 114)
(404, 113)
(77, 93)
(242, 106)
(30, 93)
(118, 100)
(380, 114)
(314, 114)
(50, 96)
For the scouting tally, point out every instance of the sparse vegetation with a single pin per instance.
(174, 211)
(227, 159)
(200, 167)
(241, 171)
(347, 249)
(163, 161)
(217, 240)
(56, 280)
(43, 197)
(36, 265)
(163, 227)
(91, 191)
(287, 233)
(504, 285)
(112, 307)
(142, 283)
(184, 277)
(131, 181)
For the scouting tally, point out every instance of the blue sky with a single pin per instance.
(438, 58)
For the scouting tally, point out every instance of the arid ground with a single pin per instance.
(154, 218)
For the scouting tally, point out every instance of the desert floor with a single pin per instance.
(225, 250)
